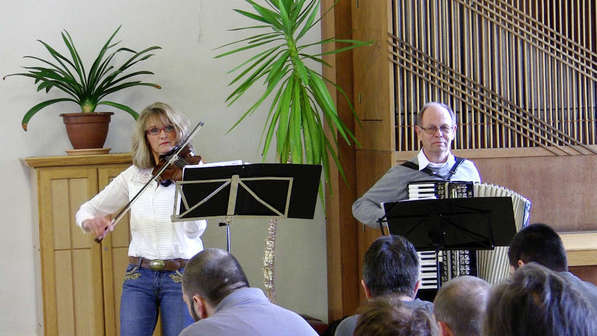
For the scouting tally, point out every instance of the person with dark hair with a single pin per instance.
(459, 306)
(390, 270)
(387, 317)
(541, 244)
(538, 301)
(436, 129)
(218, 296)
(158, 248)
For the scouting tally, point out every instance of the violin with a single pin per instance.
(173, 172)
(173, 161)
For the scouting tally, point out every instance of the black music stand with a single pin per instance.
(478, 223)
(247, 190)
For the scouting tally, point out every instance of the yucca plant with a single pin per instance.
(301, 100)
(87, 89)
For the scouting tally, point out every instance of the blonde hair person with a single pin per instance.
(164, 114)
(159, 249)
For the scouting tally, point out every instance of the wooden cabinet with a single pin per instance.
(81, 280)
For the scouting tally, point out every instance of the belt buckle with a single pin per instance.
(157, 264)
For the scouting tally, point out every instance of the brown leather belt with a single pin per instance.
(159, 264)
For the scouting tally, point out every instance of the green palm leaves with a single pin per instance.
(86, 89)
(301, 100)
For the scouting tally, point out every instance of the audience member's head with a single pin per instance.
(208, 278)
(391, 267)
(538, 301)
(459, 306)
(538, 243)
(386, 317)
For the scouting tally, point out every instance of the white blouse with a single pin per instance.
(153, 235)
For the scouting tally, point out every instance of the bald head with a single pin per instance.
(460, 304)
(435, 106)
(213, 274)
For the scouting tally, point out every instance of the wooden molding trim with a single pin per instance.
(492, 153)
(77, 160)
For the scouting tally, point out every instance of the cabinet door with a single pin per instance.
(114, 258)
(71, 260)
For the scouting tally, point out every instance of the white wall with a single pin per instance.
(193, 82)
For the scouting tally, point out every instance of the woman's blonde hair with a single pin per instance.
(141, 152)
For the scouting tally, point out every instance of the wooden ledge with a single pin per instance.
(76, 160)
(581, 247)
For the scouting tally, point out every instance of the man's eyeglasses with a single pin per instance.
(445, 129)
(156, 131)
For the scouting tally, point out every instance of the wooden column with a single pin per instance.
(374, 105)
(366, 76)
(342, 260)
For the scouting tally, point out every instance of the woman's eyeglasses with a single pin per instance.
(156, 131)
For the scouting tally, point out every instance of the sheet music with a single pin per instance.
(216, 164)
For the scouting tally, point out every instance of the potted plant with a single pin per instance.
(301, 100)
(87, 129)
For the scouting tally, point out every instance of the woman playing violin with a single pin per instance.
(159, 248)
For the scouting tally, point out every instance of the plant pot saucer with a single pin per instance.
(88, 151)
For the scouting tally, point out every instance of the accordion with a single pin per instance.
(491, 265)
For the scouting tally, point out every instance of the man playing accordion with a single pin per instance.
(436, 129)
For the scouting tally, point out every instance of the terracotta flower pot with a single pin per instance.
(87, 130)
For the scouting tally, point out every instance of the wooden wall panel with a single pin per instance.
(64, 293)
(341, 228)
(562, 192)
(87, 293)
(587, 273)
(62, 239)
(77, 195)
(561, 189)
(373, 84)
(374, 94)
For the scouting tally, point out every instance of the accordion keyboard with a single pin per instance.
(490, 265)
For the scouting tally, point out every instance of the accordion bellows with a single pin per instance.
(491, 265)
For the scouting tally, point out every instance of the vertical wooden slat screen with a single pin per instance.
(518, 73)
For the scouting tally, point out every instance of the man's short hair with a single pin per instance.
(429, 104)
(460, 304)
(538, 301)
(391, 266)
(383, 317)
(213, 274)
(541, 244)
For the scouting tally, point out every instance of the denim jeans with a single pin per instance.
(144, 294)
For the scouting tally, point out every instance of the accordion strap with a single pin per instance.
(426, 170)
(457, 164)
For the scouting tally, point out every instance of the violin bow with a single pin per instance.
(170, 160)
